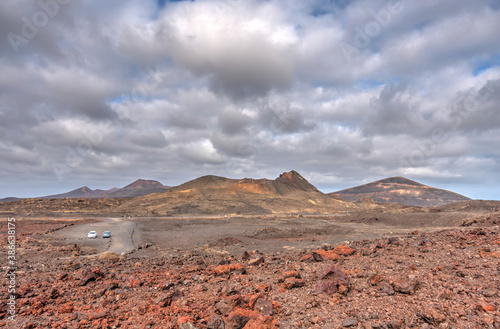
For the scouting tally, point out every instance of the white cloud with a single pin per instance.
(202, 152)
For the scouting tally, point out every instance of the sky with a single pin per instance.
(101, 93)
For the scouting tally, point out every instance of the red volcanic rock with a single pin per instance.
(332, 280)
(183, 320)
(164, 300)
(344, 250)
(325, 254)
(291, 283)
(394, 241)
(182, 290)
(256, 262)
(228, 304)
(432, 316)
(54, 293)
(90, 275)
(291, 274)
(66, 308)
(215, 322)
(349, 323)
(240, 317)
(264, 306)
(262, 322)
(376, 279)
(486, 307)
(405, 286)
(232, 268)
(308, 258)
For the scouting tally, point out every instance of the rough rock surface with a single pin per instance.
(446, 279)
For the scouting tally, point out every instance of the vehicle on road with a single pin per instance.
(106, 234)
(92, 234)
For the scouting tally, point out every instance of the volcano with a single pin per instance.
(401, 190)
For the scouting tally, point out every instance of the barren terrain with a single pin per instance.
(403, 268)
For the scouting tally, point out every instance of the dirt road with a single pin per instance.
(121, 235)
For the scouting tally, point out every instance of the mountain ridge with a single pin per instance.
(210, 194)
(137, 188)
(400, 190)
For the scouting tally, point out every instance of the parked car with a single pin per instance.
(106, 234)
(92, 234)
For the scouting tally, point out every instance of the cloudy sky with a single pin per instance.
(101, 93)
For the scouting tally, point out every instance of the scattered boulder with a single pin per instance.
(256, 262)
(232, 268)
(263, 306)
(405, 286)
(376, 279)
(344, 250)
(486, 307)
(291, 283)
(90, 275)
(216, 322)
(332, 280)
(321, 254)
(349, 323)
(262, 322)
(228, 304)
(239, 318)
(432, 316)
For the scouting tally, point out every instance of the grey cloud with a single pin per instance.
(153, 139)
(233, 122)
(243, 62)
(393, 112)
(283, 117)
(234, 145)
(185, 120)
(477, 109)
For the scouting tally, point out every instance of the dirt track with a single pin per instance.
(121, 235)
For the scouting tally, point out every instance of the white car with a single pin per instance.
(92, 234)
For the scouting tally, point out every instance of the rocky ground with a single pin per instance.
(445, 279)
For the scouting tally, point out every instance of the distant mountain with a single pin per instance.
(286, 183)
(140, 187)
(400, 190)
(10, 199)
(82, 192)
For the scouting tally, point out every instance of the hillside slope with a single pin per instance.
(401, 190)
(140, 187)
(289, 193)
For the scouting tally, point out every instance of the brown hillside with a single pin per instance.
(289, 193)
(403, 191)
(140, 187)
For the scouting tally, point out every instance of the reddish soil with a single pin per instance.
(443, 279)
